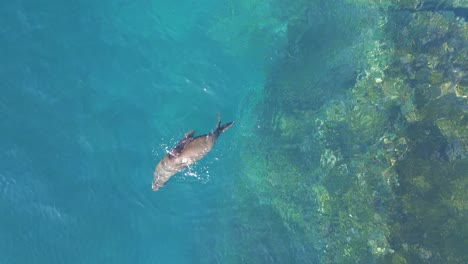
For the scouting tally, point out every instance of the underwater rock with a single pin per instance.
(461, 88)
(398, 259)
(381, 176)
(322, 197)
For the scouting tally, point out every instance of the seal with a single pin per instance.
(189, 150)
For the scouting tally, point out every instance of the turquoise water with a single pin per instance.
(349, 144)
(92, 93)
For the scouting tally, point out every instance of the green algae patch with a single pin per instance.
(420, 184)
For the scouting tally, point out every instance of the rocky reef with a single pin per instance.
(359, 149)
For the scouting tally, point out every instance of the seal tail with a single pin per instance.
(221, 128)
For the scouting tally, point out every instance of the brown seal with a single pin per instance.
(189, 150)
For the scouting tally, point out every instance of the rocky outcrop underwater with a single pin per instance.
(359, 144)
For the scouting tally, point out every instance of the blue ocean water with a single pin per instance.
(92, 94)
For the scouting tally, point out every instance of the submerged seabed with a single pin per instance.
(358, 151)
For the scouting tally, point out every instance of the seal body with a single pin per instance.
(189, 150)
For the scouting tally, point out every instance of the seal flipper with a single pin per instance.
(175, 152)
(221, 128)
(188, 135)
